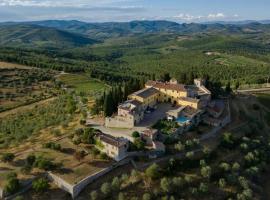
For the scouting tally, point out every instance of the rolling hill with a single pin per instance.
(101, 31)
(40, 36)
(118, 29)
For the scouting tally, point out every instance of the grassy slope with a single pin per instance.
(81, 83)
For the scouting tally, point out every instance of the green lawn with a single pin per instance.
(81, 83)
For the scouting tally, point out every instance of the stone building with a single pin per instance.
(114, 147)
(131, 112)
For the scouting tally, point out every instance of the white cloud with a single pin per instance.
(187, 17)
(209, 17)
(216, 16)
(58, 3)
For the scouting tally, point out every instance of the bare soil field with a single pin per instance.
(6, 65)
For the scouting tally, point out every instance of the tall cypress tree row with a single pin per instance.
(108, 103)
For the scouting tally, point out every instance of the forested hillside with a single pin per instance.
(239, 54)
(119, 29)
(38, 36)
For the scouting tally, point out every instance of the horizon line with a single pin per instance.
(141, 20)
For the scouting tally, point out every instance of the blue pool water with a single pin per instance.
(182, 120)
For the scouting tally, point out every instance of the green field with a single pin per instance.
(82, 84)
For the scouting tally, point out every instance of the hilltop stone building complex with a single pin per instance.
(131, 112)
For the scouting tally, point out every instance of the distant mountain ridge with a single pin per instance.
(17, 34)
(118, 29)
(76, 33)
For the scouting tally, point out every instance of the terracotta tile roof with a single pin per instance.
(135, 102)
(130, 105)
(188, 99)
(167, 86)
(117, 142)
(146, 92)
(149, 132)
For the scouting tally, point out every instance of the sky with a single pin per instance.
(127, 10)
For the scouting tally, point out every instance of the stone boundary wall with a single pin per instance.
(83, 183)
(75, 190)
(61, 183)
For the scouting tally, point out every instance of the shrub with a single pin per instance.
(222, 183)
(43, 163)
(146, 196)
(52, 145)
(88, 136)
(202, 163)
(153, 171)
(206, 171)
(189, 154)
(116, 184)
(245, 195)
(188, 179)
(82, 121)
(79, 155)
(26, 169)
(134, 173)
(7, 157)
(104, 156)
(250, 157)
(165, 184)
(225, 166)
(179, 146)
(95, 151)
(121, 196)
(94, 195)
(135, 134)
(11, 175)
(124, 177)
(177, 182)
(243, 182)
(139, 144)
(227, 140)
(30, 160)
(40, 185)
(194, 190)
(79, 131)
(244, 146)
(106, 189)
(235, 167)
(189, 144)
(203, 188)
(13, 184)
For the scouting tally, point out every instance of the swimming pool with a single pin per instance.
(182, 120)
